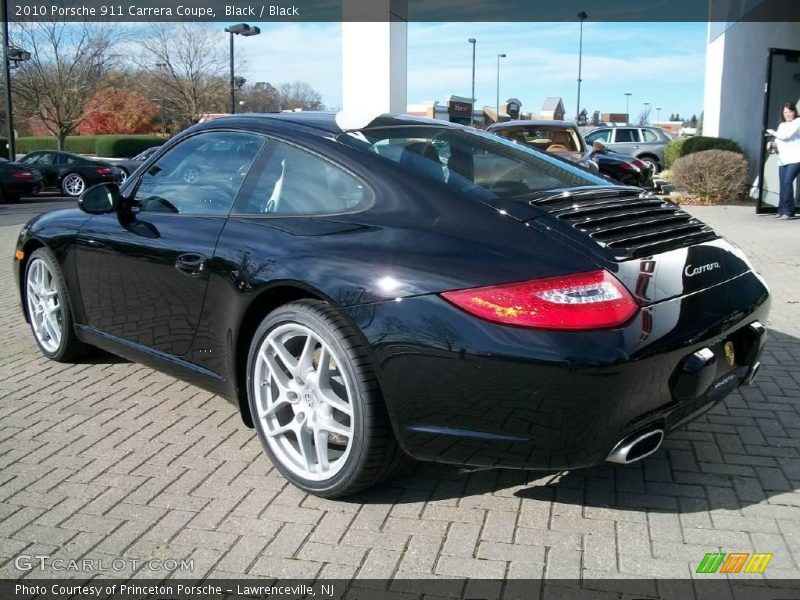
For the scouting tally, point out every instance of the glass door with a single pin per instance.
(783, 85)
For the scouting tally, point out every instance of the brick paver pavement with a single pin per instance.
(109, 459)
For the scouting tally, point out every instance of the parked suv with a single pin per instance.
(645, 143)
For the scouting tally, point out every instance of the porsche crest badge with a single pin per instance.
(730, 355)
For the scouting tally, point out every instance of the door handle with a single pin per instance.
(191, 264)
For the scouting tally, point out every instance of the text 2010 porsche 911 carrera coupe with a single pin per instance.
(369, 289)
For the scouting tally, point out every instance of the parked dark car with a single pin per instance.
(71, 174)
(624, 169)
(18, 180)
(129, 165)
(557, 137)
(358, 299)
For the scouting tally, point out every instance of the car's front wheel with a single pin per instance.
(49, 310)
(316, 403)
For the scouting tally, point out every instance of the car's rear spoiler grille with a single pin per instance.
(626, 221)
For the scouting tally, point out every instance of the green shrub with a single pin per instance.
(33, 143)
(673, 152)
(81, 144)
(716, 176)
(110, 146)
(699, 143)
(685, 146)
(125, 146)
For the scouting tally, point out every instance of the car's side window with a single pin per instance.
(604, 136)
(291, 181)
(649, 137)
(185, 181)
(627, 135)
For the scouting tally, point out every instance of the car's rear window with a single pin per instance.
(469, 161)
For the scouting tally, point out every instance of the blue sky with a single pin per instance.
(660, 63)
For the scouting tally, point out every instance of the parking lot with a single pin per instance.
(108, 459)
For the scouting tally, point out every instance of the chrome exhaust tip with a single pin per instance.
(751, 374)
(636, 447)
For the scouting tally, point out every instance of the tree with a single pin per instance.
(299, 95)
(693, 121)
(259, 98)
(118, 111)
(187, 68)
(67, 61)
(644, 116)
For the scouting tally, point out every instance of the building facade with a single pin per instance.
(752, 68)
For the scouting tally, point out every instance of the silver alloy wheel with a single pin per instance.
(73, 184)
(651, 163)
(191, 175)
(44, 305)
(302, 399)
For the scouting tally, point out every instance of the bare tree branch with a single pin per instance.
(67, 62)
(187, 64)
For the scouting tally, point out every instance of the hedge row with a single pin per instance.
(109, 146)
(685, 146)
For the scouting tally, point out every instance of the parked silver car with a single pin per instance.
(645, 143)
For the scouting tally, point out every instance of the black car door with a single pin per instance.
(45, 163)
(143, 271)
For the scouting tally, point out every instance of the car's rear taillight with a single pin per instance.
(626, 166)
(593, 300)
(638, 163)
(104, 171)
(22, 175)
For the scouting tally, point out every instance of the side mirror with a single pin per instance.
(598, 147)
(100, 199)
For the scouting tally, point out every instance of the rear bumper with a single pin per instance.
(467, 392)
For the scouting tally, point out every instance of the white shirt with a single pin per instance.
(787, 141)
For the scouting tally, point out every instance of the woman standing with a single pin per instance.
(787, 142)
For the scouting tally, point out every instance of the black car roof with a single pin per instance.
(324, 123)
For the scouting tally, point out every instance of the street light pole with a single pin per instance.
(658, 114)
(627, 108)
(472, 41)
(7, 76)
(645, 112)
(497, 105)
(582, 16)
(244, 30)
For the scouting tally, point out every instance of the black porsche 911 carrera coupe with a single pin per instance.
(369, 288)
(70, 174)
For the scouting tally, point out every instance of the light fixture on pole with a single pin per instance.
(582, 16)
(244, 30)
(472, 41)
(497, 105)
(627, 108)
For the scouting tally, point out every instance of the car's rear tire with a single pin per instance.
(49, 310)
(316, 403)
(73, 185)
(652, 161)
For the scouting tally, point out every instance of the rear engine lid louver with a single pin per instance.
(627, 222)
